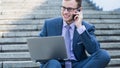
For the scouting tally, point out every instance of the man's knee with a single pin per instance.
(55, 63)
(101, 57)
(104, 55)
(51, 64)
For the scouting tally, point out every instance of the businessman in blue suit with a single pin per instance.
(81, 36)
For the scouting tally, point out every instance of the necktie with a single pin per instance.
(68, 64)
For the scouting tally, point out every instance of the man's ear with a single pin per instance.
(81, 8)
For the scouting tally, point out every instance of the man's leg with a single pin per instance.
(51, 64)
(100, 59)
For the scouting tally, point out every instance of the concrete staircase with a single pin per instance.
(23, 19)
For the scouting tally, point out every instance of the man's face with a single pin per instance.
(68, 9)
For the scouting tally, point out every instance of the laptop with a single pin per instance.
(46, 48)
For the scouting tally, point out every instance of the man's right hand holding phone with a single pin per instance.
(78, 17)
(78, 22)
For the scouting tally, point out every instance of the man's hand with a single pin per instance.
(78, 19)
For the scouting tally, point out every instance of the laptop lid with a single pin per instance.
(45, 48)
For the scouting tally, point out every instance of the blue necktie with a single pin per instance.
(68, 64)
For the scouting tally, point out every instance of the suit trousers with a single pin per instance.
(99, 59)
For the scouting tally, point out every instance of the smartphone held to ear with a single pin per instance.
(75, 14)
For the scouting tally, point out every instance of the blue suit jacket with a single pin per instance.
(81, 42)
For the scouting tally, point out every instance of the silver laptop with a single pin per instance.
(45, 48)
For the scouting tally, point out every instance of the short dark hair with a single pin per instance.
(79, 3)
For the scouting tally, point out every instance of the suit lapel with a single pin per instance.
(75, 37)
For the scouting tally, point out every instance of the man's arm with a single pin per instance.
(89, 40)
(43, 32)
(87, 34)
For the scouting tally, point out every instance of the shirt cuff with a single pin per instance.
(81, 29)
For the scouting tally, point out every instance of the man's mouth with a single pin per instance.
(66, 16)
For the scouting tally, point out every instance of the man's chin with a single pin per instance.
(67, 20)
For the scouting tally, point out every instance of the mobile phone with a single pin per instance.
(75, 14)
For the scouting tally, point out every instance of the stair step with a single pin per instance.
(114, 63)
(38, 27)
(22, 1)
(114, 53)
(20, 64)
(25, 56)
(103, 21)
(24, 17)
(101, 12)
(108, 26)
(107, 32)
(14, 48)
(14, 40)
(35, 8)
(108, 38)
(41, 21)
(51, 11)
(24, 47)
(36, 4)
(36, 33)
(20, 34)
(31, 1)
(24, 39)
(102, 16)
(111, 46)
(42, 16)
(15, 56)
(31, 64)
(22, 22)
(20, 27)
(56, 3)
(23, 11)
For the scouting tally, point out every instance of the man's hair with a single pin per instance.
(79, 3)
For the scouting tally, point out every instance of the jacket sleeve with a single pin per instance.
(43, 31)
(89, 40)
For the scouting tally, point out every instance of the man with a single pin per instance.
(81, 36)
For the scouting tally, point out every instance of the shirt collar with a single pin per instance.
(72, 25)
